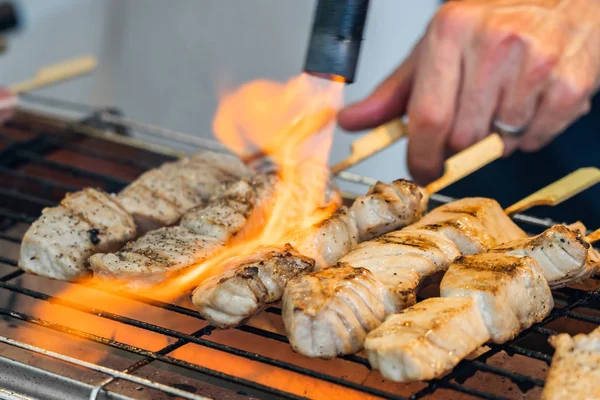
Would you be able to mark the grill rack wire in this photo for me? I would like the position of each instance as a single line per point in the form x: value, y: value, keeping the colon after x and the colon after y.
x: 20, y: 206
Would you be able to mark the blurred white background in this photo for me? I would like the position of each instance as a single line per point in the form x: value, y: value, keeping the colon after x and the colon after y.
x: 164, y: 62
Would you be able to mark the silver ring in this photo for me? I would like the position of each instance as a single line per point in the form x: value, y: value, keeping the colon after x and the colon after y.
x: 506, y: 129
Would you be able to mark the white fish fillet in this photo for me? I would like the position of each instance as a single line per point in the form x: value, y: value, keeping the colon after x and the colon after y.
x: 575, y: 369
x: 154, y: 257
x: 388, y: 207
x: 512, y: 291
x: 58, y: 244
x: 322, y: 324
x: 248, y: 285
x: 475, y: 224
x: 561, y: 252
x: 426, y: 340
x: 161, y: 196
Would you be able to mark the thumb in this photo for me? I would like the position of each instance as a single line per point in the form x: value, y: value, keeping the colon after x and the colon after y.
x: 387, y: 102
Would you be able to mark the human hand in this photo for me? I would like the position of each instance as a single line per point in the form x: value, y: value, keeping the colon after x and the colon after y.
x: 533, y: 64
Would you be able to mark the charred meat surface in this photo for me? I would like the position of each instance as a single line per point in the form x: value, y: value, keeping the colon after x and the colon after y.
x: 388, y: 207
x: 562, y: 253
x: 161, y: 196
x: 475, y: 224
x: 575, y: 369
x: 57, y: 245
x: 426, y: 340
x: 330, y: 312
x: 248, y: 285
x: 155, y: 256
x: 512, y: 292
x: 398, y: 261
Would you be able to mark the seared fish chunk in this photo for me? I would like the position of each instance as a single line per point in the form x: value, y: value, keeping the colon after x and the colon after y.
x: 512, y: 291
x: 575, y: 369
x: 330, y: 312
x: 426, y: 340
x: 227, y: 214
x: 328, y: 240
x: 57, y: 245
x: 226, y: 166
x: 248, y: 285
x: 561, y: 252
x: 154, y: 257
x: 160, y: 196
x: 475, y: 224
x: 386, y: 208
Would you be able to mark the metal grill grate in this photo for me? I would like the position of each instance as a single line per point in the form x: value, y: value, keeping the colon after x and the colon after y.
x: 39, y: 163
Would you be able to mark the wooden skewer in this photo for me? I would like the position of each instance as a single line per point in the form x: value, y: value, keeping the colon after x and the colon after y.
x: 55, y: 73
x: 559, y: 191
x: 372, y: 143
x: 468, y: 161
x: 593, y: 237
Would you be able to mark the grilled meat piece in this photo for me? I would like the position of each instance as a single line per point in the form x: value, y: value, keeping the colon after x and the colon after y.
x: 561, y: 252
x: 58, y: 244
x: 328, y: 240
x: 160, y: 196
x: 248, y: 285
x: 575, y: 369
x: 321, y: 324
x: 155, y: 256
x: 398, y: 261
x: 475, y: 224
x: 227, y: 214
x: 512, y: 291
x: 426, y: 340
x: 386, y: 208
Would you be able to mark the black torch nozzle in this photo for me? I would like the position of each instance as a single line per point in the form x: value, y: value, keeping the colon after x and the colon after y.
x: 335, y: 40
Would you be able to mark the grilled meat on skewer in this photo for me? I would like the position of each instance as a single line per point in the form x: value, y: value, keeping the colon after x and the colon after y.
x: 513, y: 292
x: 58, y: 244
x: 399, y: 261
x: 161, y: 196
x: 325, y: 325
x: 248, y: 285
x: 327, y: 241
x: 563, y: 254
x: 155, y: 256
x: 386, y: 208
x: 575, y: 369
x: 427, y: 339
x: 475, y: 224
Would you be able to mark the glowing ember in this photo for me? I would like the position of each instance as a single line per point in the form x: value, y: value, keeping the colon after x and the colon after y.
x: 291, y: 123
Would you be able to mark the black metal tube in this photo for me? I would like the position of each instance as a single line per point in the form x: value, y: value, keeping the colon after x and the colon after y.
x: 336, y: 37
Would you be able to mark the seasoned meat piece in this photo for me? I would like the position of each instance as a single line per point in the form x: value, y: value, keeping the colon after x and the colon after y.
x: 512, y: 291
x: 227, y: 214
x: 160, y: 196
x: 328, y: 240
x: 575, y: 369
x: 426, y: 340
x: 58, y: 244
x: 248, y: 284
x: 155, y: 256
x: 475, y: 224
x: 386, y: 208
x: 561, y: 252
x: 330, y: 312
x: 398, y: 261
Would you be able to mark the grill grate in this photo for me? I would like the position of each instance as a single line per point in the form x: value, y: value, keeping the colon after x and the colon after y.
x: 39, y: 164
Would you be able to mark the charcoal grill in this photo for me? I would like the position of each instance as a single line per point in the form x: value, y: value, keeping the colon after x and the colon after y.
x: 43, y: 156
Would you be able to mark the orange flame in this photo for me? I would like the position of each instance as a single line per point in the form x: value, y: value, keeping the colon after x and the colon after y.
x: 293, y: 124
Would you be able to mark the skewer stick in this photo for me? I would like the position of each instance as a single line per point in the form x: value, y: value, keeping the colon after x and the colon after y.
x: 372, y: 143
x: 558, y: 191
x: 593, y: 237
x: 55, y: 73
x: 468, y: 161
